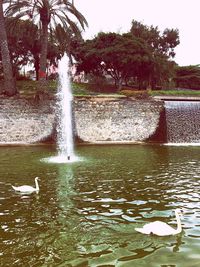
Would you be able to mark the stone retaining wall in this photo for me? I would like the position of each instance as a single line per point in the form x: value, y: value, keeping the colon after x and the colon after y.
x: 117, y: 120
x: 24, y: 121
x: 95, y: 119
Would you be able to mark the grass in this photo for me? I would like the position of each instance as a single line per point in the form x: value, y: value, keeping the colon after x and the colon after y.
x: 176, y: 92
x: 29, y: 88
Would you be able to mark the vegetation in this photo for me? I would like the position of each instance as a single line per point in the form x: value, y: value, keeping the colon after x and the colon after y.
x: 49, y: 14
x: 107, y: 55
x: 188, y: 77
x: 187, y: 92
x: 28, y: 89
x: 141, y: 57
x: 9, y: 85
x: 40, y: 32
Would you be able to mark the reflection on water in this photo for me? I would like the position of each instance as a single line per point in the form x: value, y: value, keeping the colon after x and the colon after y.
x: 86, y: 212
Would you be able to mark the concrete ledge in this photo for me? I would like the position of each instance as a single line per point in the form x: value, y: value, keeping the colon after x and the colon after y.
x: 115, y: 143
x: 177, y: 98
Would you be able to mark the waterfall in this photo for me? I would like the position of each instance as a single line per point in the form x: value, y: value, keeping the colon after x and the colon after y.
x: 183, y: 121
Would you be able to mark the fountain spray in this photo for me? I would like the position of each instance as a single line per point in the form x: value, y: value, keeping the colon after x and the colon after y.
x: 64, y: 102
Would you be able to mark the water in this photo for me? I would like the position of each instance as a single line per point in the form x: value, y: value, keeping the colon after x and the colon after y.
x: 86, y: 212
x: 183, y: 121
x: 64, y: 112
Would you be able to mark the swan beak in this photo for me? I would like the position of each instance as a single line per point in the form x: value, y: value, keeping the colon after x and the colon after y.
x: 182, y: 212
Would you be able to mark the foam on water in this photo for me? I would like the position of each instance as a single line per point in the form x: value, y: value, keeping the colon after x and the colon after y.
x: 62, y: 159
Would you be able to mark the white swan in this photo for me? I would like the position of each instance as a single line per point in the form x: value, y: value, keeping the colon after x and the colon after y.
x: 160, y: 228
x: 27, y: 188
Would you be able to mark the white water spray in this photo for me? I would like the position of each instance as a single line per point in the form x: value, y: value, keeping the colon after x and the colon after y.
x: 64, y: 102
x: 65, y: 143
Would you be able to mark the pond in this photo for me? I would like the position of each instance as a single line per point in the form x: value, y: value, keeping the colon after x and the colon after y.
x: 86, y: 212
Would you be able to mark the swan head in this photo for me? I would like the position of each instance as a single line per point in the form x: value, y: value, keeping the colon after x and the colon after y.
x: 37, y: 178
x: 179, y: 211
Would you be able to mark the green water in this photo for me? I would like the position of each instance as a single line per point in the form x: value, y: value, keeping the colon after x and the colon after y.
x: 86, y: 212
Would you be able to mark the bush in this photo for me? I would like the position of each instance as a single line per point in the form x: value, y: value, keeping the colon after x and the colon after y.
x: 139, y: 94
x: 100, y: 85
x: 20, y: 77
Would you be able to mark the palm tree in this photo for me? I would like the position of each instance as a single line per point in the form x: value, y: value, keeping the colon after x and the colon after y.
x: 64, y: 39
x: 9, y: 84
x: 47, y: 13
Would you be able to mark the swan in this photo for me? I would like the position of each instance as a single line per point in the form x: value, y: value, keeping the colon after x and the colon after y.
x: 160, y: 228
x: 27, y: 188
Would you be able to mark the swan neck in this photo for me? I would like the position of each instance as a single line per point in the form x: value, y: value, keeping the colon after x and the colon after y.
x: 179, y: 226
x: 36, y: 185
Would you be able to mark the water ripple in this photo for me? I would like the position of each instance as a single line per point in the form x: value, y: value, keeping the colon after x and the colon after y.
x: 86, y: 212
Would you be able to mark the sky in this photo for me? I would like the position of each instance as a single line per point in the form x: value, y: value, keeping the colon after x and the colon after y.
x: 117, y: 15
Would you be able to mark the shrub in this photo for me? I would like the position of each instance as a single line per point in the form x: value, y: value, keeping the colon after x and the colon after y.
x: 138, y: 94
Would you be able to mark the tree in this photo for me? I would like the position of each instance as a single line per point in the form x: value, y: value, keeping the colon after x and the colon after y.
x: 24, y: 44
x: 9, y: 84
x: 161, y: 47
x: 65, y: 39
x: 22, y: 41
x: 163, y: 43
x: 119, y: 56
x: 188, y: 77
x: 48, y: 13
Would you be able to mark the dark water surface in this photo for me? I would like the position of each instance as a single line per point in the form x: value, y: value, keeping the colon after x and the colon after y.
x: 86, y: 212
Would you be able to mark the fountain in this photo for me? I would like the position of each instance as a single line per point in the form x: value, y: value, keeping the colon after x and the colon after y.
x: 64, y: 96
x: 183, y: 122
x: 65, y: 142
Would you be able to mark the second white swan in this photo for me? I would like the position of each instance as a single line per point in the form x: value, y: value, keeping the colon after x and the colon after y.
x: 27, y: 188
x: 161, y: 228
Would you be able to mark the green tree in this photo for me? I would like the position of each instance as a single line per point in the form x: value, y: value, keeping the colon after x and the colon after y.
x: 48, y: 13
x: 23, y: 37
x: 24, y: 43
x: 188, y: 77
x: 163, y: 43
x: 161, y: 46
x: 119, y: 56
x: 66, y: 39
x: 9, y: 84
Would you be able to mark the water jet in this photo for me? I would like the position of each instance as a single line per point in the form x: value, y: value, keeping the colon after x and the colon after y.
x: 65, y: 142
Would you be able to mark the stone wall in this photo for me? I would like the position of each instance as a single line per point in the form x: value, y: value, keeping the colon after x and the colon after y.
x: 25, y: 121
x: 95, y: 119
x: 116, y: 120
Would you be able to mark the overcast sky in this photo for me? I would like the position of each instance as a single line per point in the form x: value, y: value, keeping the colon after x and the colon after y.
x: 116, y: 16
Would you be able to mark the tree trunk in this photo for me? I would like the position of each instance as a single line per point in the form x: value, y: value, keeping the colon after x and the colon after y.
x: 43, y: 57
x: 119, y: 84
x: 9, y: 83
x: 37, y: 65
